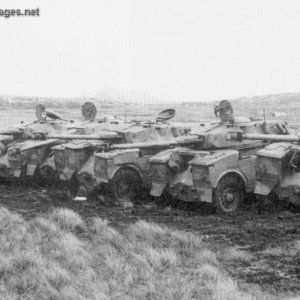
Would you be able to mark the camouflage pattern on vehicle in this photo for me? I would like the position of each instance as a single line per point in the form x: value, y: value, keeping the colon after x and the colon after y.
x: 278, y: 167
x: 79, y: 160
x: 204, y: 165
x: 21, y: 156
x: 26, y: 150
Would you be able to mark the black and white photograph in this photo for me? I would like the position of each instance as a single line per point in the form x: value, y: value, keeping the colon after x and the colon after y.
x: 150, y: 149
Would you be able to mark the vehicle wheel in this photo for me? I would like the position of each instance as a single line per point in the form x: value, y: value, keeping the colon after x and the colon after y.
x: 229, y: 194
x: 126, y: 185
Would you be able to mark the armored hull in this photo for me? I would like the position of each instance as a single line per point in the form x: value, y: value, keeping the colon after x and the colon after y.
x: 22, y: 156
x: 278, y: 171
x: 80, y: 160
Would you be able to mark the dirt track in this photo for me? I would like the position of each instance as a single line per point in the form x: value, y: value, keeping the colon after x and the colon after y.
x: 253, y: 230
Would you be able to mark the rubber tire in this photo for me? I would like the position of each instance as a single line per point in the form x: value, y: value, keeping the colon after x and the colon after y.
x: 130, y: 177
x: 233, y: 183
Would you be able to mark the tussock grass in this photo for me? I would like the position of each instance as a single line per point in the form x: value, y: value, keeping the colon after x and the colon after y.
x: 59, y: 256
x: 233, y: 254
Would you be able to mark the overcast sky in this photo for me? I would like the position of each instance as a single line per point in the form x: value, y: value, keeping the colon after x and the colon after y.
x: 166, y: 49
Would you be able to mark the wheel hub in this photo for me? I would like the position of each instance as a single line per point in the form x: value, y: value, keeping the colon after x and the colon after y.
x: 229, y: 196
x: 124, y: 188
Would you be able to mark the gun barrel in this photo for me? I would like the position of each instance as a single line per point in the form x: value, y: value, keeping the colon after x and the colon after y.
x: 271, y: 137
x: 11, y: 131
x: 29, y: 146
x: 186, y: 142
x: 102, y: 136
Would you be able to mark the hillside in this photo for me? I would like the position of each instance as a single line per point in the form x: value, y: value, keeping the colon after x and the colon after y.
x: 289, y: 103
x: 286, y: 106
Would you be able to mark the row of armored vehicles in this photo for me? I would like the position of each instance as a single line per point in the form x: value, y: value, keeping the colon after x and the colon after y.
x: 58, y: 149
x: 212, y: 162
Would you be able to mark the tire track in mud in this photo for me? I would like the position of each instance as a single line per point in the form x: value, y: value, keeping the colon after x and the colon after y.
x: 254, y: 231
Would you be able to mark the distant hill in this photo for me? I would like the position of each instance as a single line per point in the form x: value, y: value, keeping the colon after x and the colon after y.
x: 286, y: 106
x: 31, y: 102
x: 288, y: 103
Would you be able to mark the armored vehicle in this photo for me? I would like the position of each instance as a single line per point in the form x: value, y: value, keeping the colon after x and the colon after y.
x: 77, y: 161
x: 20, y: 154
x: 203, y: 165
x: 220, y: 172
x: 76, y: 148
x: 278, y: 167
x: 26, y: 151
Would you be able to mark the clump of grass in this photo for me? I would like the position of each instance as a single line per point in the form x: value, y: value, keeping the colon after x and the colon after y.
x: 46, y: 258
x: 66, y: 219
x: 235, y: 255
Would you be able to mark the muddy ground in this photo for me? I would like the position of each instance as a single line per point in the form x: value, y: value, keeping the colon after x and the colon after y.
x: 253, y: 230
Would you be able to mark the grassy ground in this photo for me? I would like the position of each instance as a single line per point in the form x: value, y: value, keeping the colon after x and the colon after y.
x: 258, y: 247
x: 60, y: 256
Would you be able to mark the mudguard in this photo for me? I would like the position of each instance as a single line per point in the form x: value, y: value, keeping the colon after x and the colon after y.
x: 269, y: 167
x: 107, y: 164
x: 161, y: 172
x: 208, y: 170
